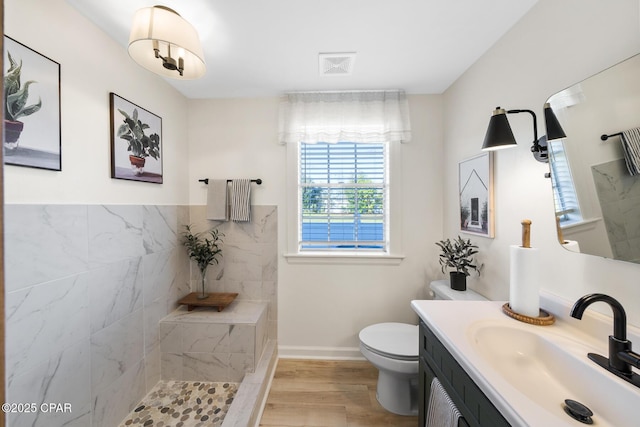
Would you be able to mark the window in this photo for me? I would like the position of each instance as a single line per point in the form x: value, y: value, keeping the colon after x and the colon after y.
x: 564, y: 192
x: 342, y: 201
x: 344, y: 181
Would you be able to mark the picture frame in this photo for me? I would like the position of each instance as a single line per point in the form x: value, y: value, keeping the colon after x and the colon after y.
x: 475, y: 190
x: 136, y: 142
x: 32, y: 116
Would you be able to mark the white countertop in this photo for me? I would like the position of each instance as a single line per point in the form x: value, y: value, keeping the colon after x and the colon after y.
x: 453, y: 323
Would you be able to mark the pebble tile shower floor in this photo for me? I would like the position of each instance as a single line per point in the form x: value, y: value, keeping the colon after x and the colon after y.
x: 183, y: 404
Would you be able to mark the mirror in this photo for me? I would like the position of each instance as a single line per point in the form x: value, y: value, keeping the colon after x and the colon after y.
x: 597, y: 199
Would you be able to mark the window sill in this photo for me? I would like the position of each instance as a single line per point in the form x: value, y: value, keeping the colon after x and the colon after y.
x: 583, y: 225
x: 343, y: 258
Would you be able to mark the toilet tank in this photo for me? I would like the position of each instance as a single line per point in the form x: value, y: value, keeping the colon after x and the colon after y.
x: 441, y: 290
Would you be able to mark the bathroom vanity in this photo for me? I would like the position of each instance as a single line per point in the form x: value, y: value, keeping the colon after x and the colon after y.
x: 436, y: 361
x: 500, y: 372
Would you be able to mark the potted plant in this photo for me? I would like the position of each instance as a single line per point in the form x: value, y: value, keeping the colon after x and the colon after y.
x: 203, y: 250
x: 140, y: 145
x: 15, y: 103
x: 458, y: 255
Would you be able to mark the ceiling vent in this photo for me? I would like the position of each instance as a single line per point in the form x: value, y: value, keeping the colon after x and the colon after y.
x: 336, y: 64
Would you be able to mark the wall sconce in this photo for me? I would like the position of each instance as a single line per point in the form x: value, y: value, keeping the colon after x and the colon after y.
x: 554, y: 130
x: 499, y: 134
x: 164, y: 43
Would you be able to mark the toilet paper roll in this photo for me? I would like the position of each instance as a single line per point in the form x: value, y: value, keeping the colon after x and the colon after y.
x: 524, y: 284
x: 571, y: 245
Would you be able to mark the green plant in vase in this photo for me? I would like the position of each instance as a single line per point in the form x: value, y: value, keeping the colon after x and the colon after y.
x: 141, y: 146
x: 16, y: 96
x: 458, y: 255
x: 204, y: 249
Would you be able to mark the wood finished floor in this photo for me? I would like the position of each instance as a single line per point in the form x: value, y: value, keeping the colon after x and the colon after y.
x: 323, y: 393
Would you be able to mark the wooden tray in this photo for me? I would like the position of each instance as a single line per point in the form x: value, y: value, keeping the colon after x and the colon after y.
x: 215, y: 299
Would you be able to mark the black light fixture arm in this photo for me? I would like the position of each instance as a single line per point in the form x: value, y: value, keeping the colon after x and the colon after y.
x: 539, y: 151
x: 535, y: 125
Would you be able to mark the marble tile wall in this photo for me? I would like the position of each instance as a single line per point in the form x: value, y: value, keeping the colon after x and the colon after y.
x: 249, y: 263
x: 619, y: 196
x: 86, y: 289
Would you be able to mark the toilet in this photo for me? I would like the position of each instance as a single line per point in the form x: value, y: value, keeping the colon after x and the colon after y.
x: 393, y: 349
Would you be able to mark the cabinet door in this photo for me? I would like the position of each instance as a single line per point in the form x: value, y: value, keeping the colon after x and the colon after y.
x: 435, y: 360
x: 426, y: 376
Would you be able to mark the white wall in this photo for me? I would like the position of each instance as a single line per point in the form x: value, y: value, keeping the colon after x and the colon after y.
x: 555, y: 45
x: 322, y: 308
x: 91, y: 66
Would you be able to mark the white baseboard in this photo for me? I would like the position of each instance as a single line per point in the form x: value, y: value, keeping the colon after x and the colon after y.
x: 325, y: 353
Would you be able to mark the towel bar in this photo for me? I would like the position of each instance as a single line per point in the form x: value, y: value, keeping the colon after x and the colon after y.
x: 605, y: 137
x: 206, y: 180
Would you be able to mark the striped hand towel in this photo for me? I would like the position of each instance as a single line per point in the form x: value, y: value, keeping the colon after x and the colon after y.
x: 240, y: 200
x: 441, y: 411
x: 631, y: 145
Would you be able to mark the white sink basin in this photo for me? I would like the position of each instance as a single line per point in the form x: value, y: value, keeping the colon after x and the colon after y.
x: 548, y: 368
x: 528, y: 371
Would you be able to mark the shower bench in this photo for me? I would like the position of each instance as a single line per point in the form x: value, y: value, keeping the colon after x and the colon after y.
x: 207, y: 345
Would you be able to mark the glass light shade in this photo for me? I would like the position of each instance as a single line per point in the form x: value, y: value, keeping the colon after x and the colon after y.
x: 499, y: 134
x: 175, y: 37
x: 554, y: 130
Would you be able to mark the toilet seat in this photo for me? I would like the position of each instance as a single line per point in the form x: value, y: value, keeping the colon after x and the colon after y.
x: 393, y: 340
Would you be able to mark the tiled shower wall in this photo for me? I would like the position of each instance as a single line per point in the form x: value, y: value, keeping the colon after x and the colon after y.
x: 86, y: 288
x: 249, y: 262
x: 619, y: 196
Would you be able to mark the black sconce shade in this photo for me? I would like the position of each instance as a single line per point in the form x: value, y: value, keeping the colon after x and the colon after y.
x: 554, y: 130
x: 499, y: 134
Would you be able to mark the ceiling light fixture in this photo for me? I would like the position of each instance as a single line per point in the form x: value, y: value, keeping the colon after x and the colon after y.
x: 499, y: 134
x: 163, y: 42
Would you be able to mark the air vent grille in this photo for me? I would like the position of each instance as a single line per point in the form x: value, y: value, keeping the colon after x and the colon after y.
x: 336, y: 64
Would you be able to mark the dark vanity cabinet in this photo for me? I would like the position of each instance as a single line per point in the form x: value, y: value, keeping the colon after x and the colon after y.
x: 436, y: 361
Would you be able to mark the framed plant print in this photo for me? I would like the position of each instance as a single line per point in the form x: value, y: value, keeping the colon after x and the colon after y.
x: 136, y: 142
x: 475, y: 185
x: 31, y: 135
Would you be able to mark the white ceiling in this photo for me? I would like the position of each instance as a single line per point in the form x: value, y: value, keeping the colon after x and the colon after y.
x: 256, y: 48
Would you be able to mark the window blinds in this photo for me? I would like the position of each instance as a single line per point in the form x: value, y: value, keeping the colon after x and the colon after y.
x: 564, y: 192
x: 342, y: 192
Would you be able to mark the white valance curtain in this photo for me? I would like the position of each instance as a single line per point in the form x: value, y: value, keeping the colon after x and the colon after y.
x: 357, y: 116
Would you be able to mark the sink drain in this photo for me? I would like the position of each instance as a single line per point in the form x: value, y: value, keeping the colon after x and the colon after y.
x: 578, y: 411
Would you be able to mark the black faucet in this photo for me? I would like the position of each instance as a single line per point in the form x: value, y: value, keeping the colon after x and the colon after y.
x: 621, y: 358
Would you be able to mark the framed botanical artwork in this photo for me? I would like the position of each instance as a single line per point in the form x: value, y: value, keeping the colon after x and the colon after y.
x: 136, y: 142
x: 475, y: 185
x: 31, y: 135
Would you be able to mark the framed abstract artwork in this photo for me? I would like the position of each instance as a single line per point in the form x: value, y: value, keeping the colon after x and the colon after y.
x: 32, y: 108
x: 136, y: 142
x: 475, y: 189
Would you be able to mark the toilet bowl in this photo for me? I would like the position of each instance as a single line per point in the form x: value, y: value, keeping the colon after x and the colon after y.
x: 393, y: 349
